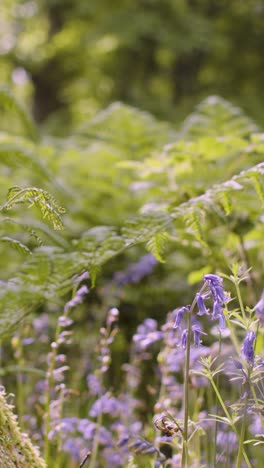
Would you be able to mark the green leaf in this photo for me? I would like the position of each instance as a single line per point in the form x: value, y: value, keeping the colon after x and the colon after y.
x: 15, y: 244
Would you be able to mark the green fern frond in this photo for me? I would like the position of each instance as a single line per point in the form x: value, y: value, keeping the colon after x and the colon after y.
x: 144, y: 227
x: 258, y: 185
x: 45, y: 202
x: 125, y: 126
x: 14, y: 155
x: 216, y: 116
x: 157, y: 244
x: 194, y: 219
x: 9, y: 102
x: 226, y: 202
x: 34, y: 229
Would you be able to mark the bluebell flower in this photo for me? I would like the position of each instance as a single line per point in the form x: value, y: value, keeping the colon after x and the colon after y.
x: 216, y: 286
x: 179, y: 317
x: 217, y: 309
x: 197, y: 332
x: 184, y: 337
x: 222, y: 321
x: 259, y: 308
x: 201, y: 305
x: 247, y: 347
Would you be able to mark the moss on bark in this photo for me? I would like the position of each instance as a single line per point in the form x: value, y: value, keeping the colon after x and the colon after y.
x: 16, y: 449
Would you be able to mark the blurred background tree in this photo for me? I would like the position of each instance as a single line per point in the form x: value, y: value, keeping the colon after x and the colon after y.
x: 72, y: 58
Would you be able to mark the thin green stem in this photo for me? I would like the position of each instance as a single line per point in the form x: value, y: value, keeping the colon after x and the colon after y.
x: 242, y: 437
x: 233, y: 335
x: 216, y: 406
x: 229, y: 418
x: 48, y: 386
x: 184, y: 461
x: 59, y: 440
x: 240, y: 302
x: 95, y: 447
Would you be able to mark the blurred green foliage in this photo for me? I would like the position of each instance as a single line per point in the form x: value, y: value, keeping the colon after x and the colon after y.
x: 193, y: 197
x: 71, y: 58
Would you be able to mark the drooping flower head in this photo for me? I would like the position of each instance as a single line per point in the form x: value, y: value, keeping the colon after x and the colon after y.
x: 184, y: 338
x: 197, y: 332
x: 259, y: 308
x: 248, y: 347
x: 179, y: 315
x: 201, y: 305
x: 216, y: 286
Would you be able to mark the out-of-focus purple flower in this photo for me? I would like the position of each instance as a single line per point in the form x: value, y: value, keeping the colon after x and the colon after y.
x: 179, y: 316
x: 222, y: 321
x: 94, y: 384
x: 197, y: 332
x: 69, y: 424
x: 77, y: 299
x: 175, y: 461
x: 147, y: 334
x: 112, y: 316
x: 82, y: 277
x: 41, y: 323
x: 107, y: 404
x: 133, y: 373
x: 27, y: 341
x: 256, y: 426
x: 86, y: 428
x: 105, y: 437
x: 61, y: 358
x: 247, y: 347
x: 201, y: 305
x: 73, y: 445
x: 259, y: 308
x: 113, y: 458
x: 184, y: 337
x: 136, y: 271
x: 227, y: 441
x: 58, y: 374
x: 216, y: 285
x: 65, y: 321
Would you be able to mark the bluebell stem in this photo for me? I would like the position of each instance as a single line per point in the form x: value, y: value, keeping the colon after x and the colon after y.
x: 247, y: 348
x: 201, y: 305
x: 53, y: 374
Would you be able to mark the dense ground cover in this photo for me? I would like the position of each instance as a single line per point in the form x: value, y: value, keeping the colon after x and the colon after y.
x: 132, y: 272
